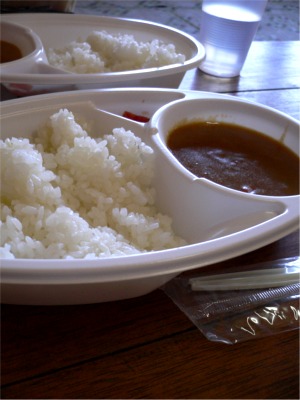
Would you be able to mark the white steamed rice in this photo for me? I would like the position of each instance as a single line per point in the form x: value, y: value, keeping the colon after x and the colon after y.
x: 104, y: 52
x: 67, y: 195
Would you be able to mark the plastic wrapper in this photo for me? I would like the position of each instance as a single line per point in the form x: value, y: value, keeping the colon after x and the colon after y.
x: 233, y: 316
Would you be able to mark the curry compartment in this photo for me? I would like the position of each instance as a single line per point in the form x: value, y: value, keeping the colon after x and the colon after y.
x: 236, y: 157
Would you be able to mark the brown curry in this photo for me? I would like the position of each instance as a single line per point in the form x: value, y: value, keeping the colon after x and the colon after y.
x: 236, y: 157
x: 9, y: 52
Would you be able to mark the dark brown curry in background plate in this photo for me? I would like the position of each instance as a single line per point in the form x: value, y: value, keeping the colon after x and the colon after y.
x: 9, y: 52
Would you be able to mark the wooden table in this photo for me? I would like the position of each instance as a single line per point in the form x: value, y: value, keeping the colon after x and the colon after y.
x: 146, y: 347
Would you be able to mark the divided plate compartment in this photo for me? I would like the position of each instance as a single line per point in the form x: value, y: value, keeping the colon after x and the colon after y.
x: 58, y: 30
x: 218, y: 223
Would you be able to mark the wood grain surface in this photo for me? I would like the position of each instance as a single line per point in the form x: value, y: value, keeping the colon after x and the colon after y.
x: 269, y: 66
x: 146, y: 347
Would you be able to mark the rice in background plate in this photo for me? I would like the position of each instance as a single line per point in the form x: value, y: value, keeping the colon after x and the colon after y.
x: 104, y: 52
x: 67, y: 195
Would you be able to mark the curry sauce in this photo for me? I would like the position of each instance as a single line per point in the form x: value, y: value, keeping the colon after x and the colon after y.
x: 236, y: 157
x: 9, y: 52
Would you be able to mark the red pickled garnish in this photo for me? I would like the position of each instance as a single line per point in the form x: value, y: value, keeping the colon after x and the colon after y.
x: 135, y: 117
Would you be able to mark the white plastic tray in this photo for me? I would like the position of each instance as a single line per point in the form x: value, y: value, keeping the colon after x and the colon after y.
x: 58, y: 30
x: 218, y: 223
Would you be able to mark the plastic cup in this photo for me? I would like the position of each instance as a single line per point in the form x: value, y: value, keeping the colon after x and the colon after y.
x: 227, y: 30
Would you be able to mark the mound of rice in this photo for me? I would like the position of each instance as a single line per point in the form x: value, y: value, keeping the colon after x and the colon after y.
x: 67, y: 195
x: 104, y: 52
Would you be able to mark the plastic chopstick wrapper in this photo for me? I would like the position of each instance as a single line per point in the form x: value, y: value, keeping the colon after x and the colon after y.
x: 237, y: 306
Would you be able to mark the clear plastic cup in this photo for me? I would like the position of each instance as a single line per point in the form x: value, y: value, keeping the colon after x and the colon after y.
x: 227, y: 30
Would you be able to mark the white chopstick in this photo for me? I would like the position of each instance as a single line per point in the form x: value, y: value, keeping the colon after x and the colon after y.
x: 255, y: 279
